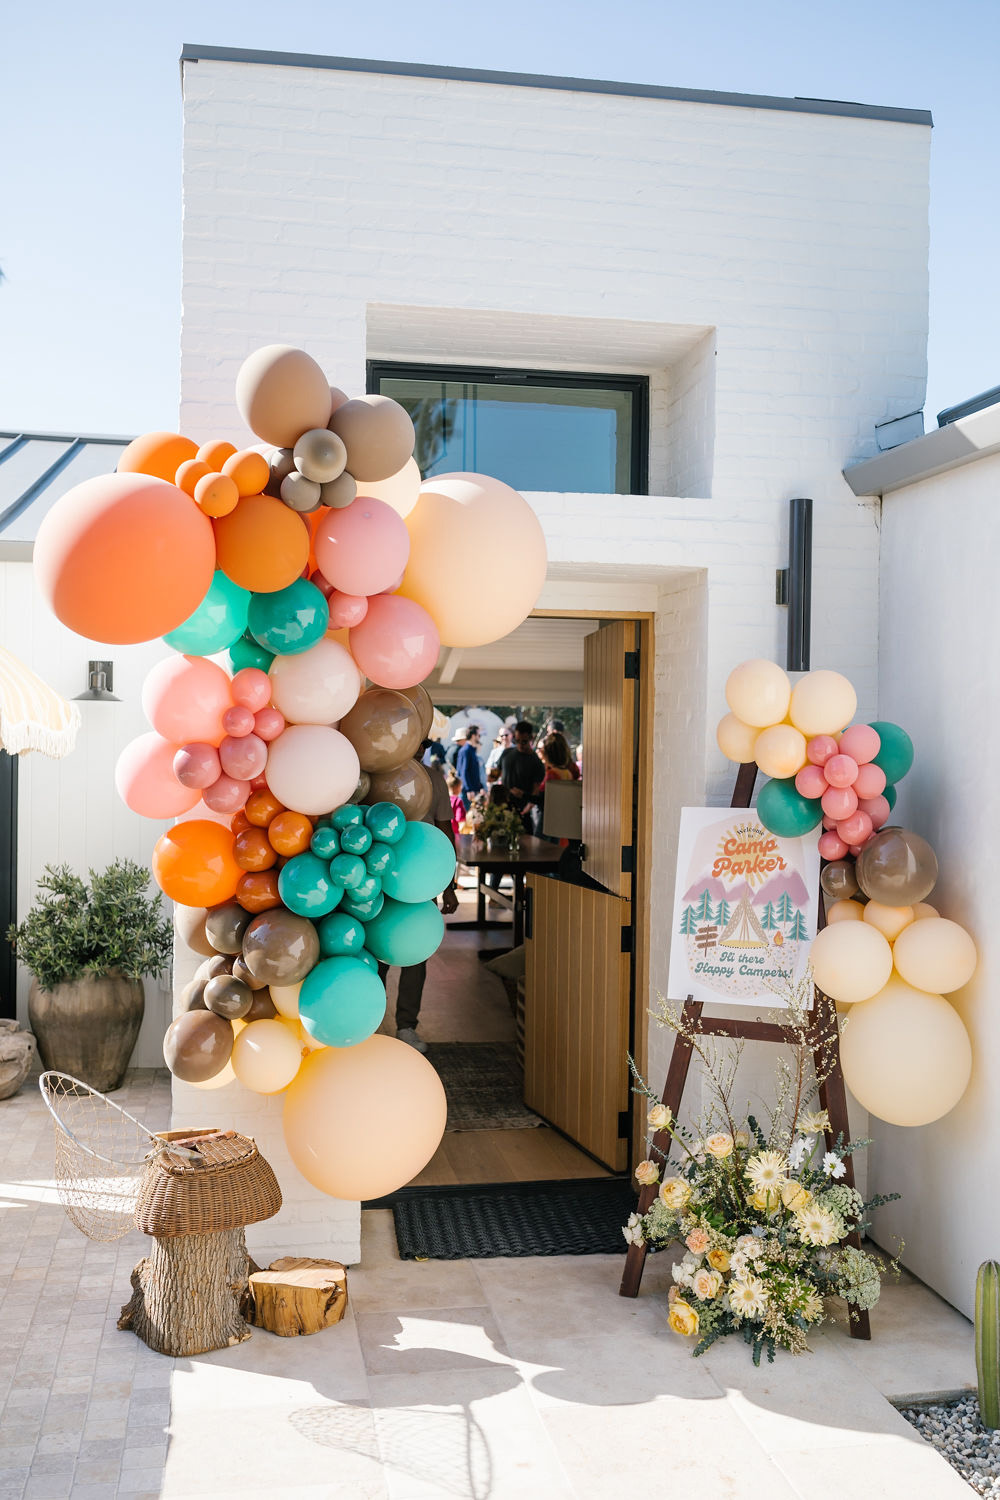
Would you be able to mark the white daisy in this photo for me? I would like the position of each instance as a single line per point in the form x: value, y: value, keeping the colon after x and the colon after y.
x: 832, y: 1165
x: 798, y: 1152
x: 767, y: 1169
x: 747, y: 1298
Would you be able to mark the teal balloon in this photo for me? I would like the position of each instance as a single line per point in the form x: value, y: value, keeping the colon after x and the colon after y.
x: 379, y: 859
x: 306, y: 887
x: 246, y: 652
x: 424, y: 864
x: 369, y: 959
x: 895, y: 756
x: 348, y: 870
x: 341, y: 1002
x: 785, y: 811
x: 325, y: 842
x: 347, y: 816
x: 363, y: 910
x: 890, y: 794
x: 405, y: 932
x: 218, y: 622
x: 340, y: 933
x: 366, y: 889
x: 355, y: 839
x: 289, y: 620
x: 386, y: 821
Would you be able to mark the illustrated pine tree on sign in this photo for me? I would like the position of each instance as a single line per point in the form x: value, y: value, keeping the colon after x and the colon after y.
x: 689, y: 922
x: 723, y: 912
x: 786, y: 910
x: 769, y: 921
x: 706, y: 938
x: 798, y: 932
x: 703, y: 911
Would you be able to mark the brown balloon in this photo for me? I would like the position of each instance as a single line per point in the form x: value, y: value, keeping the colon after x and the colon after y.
x: 258, y: 890
x: 240, y: 971
x: 377, y: 433
x: 262, y: 1007
x: 190, y: 924
x: 197, y: 1046
x: 408, y: 786
x: 281, y: 462
x: 839, y: 880
x: 339, y: 492
x: 421, y: 700
x: 384, y: 728
x: 225, y: 926
x: 228, y: 997
x: 280, y: 947
x: 897, y: 868
x: 193, y: 995
x: 361, y: 790
x: 252, y: 849
x: 220, y: 963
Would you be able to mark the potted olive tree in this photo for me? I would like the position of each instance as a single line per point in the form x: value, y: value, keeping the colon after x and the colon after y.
x: 87, y: 948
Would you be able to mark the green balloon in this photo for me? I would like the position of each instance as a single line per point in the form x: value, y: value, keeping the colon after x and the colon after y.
x: 289, y: 620
x: 367, y: 958
x: 404, y: 932
x: 363, y: 910
x: 367, y: 889
x: 341, y: 1002
x: 340, y: 933
x: 246, y: 652
x: 306, y: 887
x: 895, y: 756
x: 423, y: 866
x: 347, y: 816
x: 386, y: 822
x: 890, y: 794
x: 379, y: 859
x: 783, y: 810
x: 348, y: 870
x: 217, y: 623
x: 355, y: 839
x: 325, y: 842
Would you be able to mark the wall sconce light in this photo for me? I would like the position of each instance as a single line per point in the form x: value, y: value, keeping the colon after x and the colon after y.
x: 100, y: 681
x: 794, y: 585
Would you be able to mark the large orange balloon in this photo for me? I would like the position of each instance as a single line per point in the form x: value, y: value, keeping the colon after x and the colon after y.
x: 157, y: 453
x: 193, y: 864
x: 125, y: 557
x: 262, y: 545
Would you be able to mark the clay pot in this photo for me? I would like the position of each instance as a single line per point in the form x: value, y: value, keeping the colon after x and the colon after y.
x: 88, y: 1028
x: 17, y: 1052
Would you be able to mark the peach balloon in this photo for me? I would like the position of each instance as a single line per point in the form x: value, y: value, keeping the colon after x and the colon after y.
x: 362, y: 548
x: 400, y: 490
x: 922, y: 910
x: 266, y: 1056
x: 158, y: 453
x: 906, y: 1055
x: 889, y: 920
x: 185, y: 697
x: 342, y: 1114
x: 780, y: 751
x: 938, y: 956
x: 845, y: 911
x: 144, y: 777
x: 220, y: 1080
x: 249, y: 471
x: 458, y: 521
x: 124, y: 558
x: 216, y: 495
x: 736, y: 739
x: 758, y: 692
x: 397, y: 642
x: 822, y: 703
x: 311, y: 768
x: 215, y: 453
x: 286, y: 999
x: 318, y: 686
x: 851, y: 961
x: 193, y: 863
x: 281, y: 392
x: 262, y: 545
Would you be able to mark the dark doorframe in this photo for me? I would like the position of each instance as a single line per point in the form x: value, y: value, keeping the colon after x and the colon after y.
x: 8, y: 881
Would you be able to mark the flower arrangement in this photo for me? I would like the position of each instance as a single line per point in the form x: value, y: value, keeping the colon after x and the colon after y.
x: 763, y: 1214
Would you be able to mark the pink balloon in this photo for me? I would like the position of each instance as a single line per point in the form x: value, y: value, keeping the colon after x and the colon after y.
x: 243, y: 758
x: 184, y: 698
x: 323, y: 584
x: 347, y: 610
x: 819, y: 749
x: 810, y: 781
x: 258, y: 783
x: 237, y: 721
x: 268, y: 723
x: 393, y: 586
x: 197, y: 765
x: 877, y: 809
x: 840, y: 770
x: 397, y: 642
x: 869, y: 782
x: 855, y: 829
x: 856, y: 849
x: 862, y: 742
x: 832, y: 846
x: 251, y: 688
x: 839, y: 802
x: 362, y: 547
x: 226, y: 795
x: 146, y: 782
x: 829, y: 823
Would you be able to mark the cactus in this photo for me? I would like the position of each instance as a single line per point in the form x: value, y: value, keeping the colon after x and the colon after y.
x: 988, y: 1342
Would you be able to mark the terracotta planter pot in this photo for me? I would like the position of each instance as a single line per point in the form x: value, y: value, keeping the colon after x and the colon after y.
x: 88, y: 1028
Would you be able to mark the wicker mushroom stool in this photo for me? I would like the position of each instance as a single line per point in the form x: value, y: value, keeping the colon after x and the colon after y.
x: 199, y: 1192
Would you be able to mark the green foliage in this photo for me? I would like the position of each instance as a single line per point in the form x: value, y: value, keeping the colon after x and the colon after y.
x: 499, y: 820
x: 988, y: 1342
x: 109, y: 927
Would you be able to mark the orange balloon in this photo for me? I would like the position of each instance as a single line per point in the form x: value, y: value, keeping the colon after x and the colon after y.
x: 258, y: 891
x: 188, y: 474
x: 239, y: 822
x: 249, y: 470
x: 157, y: 453
x: 216, y: 494
x: 193, y: 863
x: 290, y: 832
x: 125, y: 557
x: 262, y: 545
x: 261, y: 807
x: 215, y: 453
x: 253, y: 850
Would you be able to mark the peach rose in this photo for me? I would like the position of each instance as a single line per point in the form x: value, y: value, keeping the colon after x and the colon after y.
x: 659, y: 1117
x: 646, y: 1173
x: 697, y: 1241
x: 706, y: 1284
x: 674, y: 1192
x: 720, y: 1145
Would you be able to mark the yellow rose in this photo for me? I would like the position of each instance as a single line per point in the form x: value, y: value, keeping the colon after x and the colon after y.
x: 718, y: 1260
x: 647, y: 1172
x: 794, y: 1195
x: 659, y: 1117
x: 674, y: 1192
x: 683, y: 1319
x: 720, y: 1145
x: 766, y: 1200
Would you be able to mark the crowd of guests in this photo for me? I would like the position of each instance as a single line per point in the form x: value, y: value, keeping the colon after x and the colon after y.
x: 515, y: 773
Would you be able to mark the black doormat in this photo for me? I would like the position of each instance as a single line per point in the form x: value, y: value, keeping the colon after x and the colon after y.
x: 580, y: 1217
x: 483, y: 1083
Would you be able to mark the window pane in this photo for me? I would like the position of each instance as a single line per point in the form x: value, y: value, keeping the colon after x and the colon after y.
x: 534, y: 437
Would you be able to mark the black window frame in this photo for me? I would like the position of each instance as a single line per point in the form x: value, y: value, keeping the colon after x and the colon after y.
x: 638, y: 385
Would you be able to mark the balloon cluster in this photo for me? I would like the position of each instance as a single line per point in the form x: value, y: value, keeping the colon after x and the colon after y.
x: 283, y: 577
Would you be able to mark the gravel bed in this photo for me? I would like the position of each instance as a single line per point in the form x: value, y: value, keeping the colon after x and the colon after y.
x: 959, y: 1436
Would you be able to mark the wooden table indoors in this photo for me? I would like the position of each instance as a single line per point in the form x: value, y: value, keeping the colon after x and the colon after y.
x: 532, y: 854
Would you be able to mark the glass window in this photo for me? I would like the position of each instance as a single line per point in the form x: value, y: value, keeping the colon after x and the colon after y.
x: 575, y: 433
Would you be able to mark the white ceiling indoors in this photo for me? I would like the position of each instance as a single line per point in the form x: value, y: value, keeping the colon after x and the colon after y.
x: 539, y: 662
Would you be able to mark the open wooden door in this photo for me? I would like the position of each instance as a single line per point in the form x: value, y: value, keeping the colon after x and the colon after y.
x: 610, y: 676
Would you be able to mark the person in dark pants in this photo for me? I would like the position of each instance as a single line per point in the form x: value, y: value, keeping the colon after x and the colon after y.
x: 521, y: 772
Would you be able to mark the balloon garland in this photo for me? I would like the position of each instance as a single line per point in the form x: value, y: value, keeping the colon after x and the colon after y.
x: 906, y: 1054
x: 283, y: 577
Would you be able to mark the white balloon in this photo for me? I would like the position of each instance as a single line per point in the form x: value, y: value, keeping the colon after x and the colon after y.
x: 400, y: 490
x: 311, y: 768
x: 318, y: 686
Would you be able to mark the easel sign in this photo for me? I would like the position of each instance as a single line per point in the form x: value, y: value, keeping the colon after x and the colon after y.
x: 745, y: 904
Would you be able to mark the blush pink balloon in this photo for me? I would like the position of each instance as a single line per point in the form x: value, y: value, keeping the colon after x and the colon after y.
x: 819, y: 749
x: 394, y: 586
x: 185, y: 697
x: 268, y: 723
x: 146, y: 782
x: 840, y: 770
x: 839, y: 802
x: 323, y: 584
x: 869, y: 782
x: 362, y: 547
x: 197, y: 765
x: 258, y: 783
x: 347, y: 610
x: 831, y: 845
x: 226, y: 795
x: 251, y: 688
x: 397, y: 643
x: 828, y: 822
x: 244, y: 757
x: 810, y: 782
x: 855, y: 829
x: 237, y: 721
x: 862, y: 742
x: 877, y: 809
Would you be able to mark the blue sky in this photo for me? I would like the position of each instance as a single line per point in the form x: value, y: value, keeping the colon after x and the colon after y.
x: 91, y: 115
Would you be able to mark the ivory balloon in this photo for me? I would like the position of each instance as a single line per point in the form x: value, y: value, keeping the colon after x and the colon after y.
x: 822, y: 703
x: 220, y: 1080
x: 400, y: 490
x: 890, y: 920
x: 311, y: 768
x: 281, y: 392
x: 342, y: 1113
x: 780, y: 751
x: 758, y: 692
x: 736, y: 739
x: 844, y: 911
x: 189, y: 922
x: 906, y: 1055
x: 938, y: 956
x: 923, y: 909
x: 266, y: 1057
x: 318, y: 686
x: 286, y: 999
x: 851, y: 961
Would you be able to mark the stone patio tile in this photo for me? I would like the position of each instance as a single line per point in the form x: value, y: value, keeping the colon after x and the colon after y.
x: 97, y: 1471
x: 385, y: 1282
x: 14, y: 1454
x: 275, y: 1453
x: 12, y: 1482
x: 598, y: 1372
x: 919, y: 1345
x: 422, y: 1341
x: 900, y: 1470
x: 148, y: 1457
x: 567, y: 1296
x: 270, y: 1371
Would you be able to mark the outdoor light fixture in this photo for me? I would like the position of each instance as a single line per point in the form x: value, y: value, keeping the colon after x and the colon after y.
x: 101, y: 679
x: 794, y: 584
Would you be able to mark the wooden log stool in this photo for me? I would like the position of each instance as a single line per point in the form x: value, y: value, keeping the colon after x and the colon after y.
x: 200, y: 1190
x: 296, y: 1295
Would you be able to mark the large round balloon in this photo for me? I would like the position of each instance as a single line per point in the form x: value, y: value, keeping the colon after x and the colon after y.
x: 342, y: 1002
x: 217, y: 623
x: 396, y: 643
x: 262, y: 545
x: 158, y: 453
x: 311, y: 768
x: 280, y: 947
x: 851, y: 961
x: 198, y: 1045
x: 193, y: 863
x: 384, y: 727
x: 422, y: 865
x: 288, y: 621
x: 780, y: 751
x: 906, y: 1055
x: 784, y: 811
x: 758, y: 692
x: 422, y: 702
x: 407, y: 786
x: 266, y: 1056
x: 342, y: 1118
x: 897, y: 867
x: 281, y: 392
x: 377, y: 433
x: 144, y: 777
x: 185, y: 697
x: 459, y: 521
x: 822, y: 703
x: 124, y: 558
x: 362, y: 548
x: 318, y: 686
x: 938, y: 956
x: 403, y: 933
x: 735, y: 739
x: 895, y: 753
x: 400, y: 490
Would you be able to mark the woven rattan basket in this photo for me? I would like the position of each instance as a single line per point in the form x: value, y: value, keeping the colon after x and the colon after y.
x: 221, y: 1182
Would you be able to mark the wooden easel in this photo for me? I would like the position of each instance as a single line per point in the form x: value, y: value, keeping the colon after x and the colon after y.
x: 832, y: 1092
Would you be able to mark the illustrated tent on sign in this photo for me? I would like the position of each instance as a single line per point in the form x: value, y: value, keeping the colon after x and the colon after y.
x: 741, y: 926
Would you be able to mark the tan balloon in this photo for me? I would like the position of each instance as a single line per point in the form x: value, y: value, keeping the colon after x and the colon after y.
x: 197, y: 1045
x: 190, y: 924
x: 342, y: 1114
x: 266, y: 1057
x: 890, y: 920
x: 906, y: 1055
x: 458, y: 522
x: 281, y: 392
x: 736, y: 739
x: 758, y: 692
x: 922, y: 910
x: 384, y: 728
x: 401, y: 490
x: 851, y: 961
x: 938, y: 956
x: 408, y: 786
x: 844, y: 911
x: 822, y: 703
x: 421, y: 700
x: 377, y: 433
x: 780, y: 751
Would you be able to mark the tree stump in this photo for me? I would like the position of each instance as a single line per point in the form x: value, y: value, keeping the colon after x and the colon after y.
x: 297, y: 1295
x: 186, y: 1294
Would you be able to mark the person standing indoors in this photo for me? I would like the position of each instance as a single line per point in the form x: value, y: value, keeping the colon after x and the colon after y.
x: 500, y: 744
x: 521, y: 772
x: 468, y: 766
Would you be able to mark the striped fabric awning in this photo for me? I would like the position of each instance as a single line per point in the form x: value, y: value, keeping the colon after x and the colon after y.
x: 32, y: 716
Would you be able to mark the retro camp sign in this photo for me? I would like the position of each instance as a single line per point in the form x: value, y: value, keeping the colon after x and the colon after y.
x: 744, y: 908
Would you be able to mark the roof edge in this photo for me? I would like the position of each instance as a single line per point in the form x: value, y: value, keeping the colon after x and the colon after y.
x: 193, y: 52
x: 961, y: 442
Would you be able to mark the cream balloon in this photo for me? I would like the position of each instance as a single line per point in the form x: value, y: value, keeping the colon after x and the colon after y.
x: 822, y: 703
x: 305, y: 1040
x: 840, y: 911
x: 922, y: 910
x: 889, y: 920
x: 459, y: 521
x: 851, y: 961
x: 906, y: 1055
x: 311, y: 768
x: 318, y: 686
x: 286, y: 999
x: 780, y: 751
x: 758, y: 692
x: 342, y: 1117
x: 400, y: 490
x: 220, y: 1080
x: 736, y: 739
x: 266, y: 1056
x: 938, y: 956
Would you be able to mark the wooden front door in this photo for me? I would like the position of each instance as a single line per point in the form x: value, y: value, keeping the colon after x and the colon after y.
x: 610, y: 673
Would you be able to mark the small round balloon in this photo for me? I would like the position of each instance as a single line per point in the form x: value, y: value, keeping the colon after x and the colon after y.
x: 305, y: 886
x: 423, y: 864
x: 785, y: 812
x: 290, y: 620
x: 895, y: 754
x: 193, y: 863
x: 225, y: 926
x: 403, y: 933
x: 384, y: 727
x: 312, y: 768
x: 266, y: 1056
x: 839, y: 880
x: 197, y: 1046
x: 217, y: 623
x: 280, y: 947
x: 822, y: 703
x: 780, y: 751
x: 758, y: 693
x: 407, y: 786
x: 316, y: 686
x: 851, y: 961
x: 897, y: 867
x: 145, y: 779
x: 340, y: 934
x: 341, y: 1002
x: 939, y: 956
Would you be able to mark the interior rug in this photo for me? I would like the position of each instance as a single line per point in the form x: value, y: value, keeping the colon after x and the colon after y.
x: 484, y: 1084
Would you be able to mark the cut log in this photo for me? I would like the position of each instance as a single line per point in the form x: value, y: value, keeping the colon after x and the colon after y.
x: 187, y: 1293
x: 297, y: 1295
